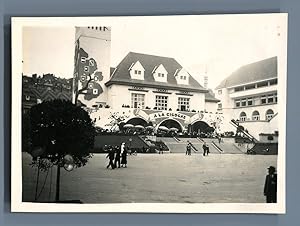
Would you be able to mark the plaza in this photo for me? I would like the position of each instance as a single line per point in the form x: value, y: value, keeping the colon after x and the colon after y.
x: 154, y: 178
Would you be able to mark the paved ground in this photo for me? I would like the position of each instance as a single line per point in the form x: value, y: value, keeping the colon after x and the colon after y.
x: 158, y: 178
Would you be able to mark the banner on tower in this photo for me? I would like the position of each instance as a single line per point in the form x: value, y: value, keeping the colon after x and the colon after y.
x: 91, y: 65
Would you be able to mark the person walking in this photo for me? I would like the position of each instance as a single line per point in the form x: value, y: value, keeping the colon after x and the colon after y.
x: 124, y: 157
x: 270, y: 188
x: 189, y: 149
x: 118, y: 157
x: 111, y: 156
x: 204, y: 147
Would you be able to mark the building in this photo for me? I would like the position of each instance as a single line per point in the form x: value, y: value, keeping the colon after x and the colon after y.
x: 248, y: 97
x: 145, y: 89
x: 142, y: 90
x: 37, y: 89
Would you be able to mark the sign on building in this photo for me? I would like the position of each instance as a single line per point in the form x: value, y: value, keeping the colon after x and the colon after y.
x: 91, y: 65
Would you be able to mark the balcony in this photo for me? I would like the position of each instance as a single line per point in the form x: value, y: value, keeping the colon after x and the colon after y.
x: 254, y: 92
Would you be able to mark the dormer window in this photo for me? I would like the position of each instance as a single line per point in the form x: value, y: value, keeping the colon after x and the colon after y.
x: 182, y: 76
x: 137, y: 71
x: 160, y: 73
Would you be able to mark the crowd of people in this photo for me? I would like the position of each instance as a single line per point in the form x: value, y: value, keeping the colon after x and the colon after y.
x: 117, y: 156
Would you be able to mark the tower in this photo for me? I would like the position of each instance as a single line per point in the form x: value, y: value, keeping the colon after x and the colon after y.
x: 91, y: 65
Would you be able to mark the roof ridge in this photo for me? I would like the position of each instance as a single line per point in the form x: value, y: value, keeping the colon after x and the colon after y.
x: 152, y: 55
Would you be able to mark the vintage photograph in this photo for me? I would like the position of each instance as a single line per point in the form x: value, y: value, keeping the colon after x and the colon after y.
x: 152, y: 113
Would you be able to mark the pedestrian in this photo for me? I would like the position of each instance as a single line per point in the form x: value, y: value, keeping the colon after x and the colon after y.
x: 118, y: 157
x: 124, y: 158
x: 160, y: 149
x: 111, y: 156
x: 204, y: 147
x: 270, y: 189
x: 189, y: 149
x: 219, y: 139
x: 207, y: 149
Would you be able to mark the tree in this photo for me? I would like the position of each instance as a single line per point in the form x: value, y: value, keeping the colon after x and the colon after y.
x: 60, y: 128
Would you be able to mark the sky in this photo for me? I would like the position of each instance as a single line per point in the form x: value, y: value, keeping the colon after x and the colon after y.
x: 212, y: 45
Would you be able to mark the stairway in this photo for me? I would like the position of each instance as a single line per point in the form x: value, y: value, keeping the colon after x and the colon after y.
x: 248, y: 135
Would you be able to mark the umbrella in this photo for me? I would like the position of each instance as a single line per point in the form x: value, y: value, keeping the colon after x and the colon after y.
x: 139, y: 127
x: 174, y: 129
x: 149, y: 127
x: 163, y: 128
x: 128, y: 126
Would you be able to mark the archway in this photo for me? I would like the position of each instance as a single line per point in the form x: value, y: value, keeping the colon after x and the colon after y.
x: 171, y: 123
x: 137, y: 121
x: 199, y: 127
x: 255, y: 116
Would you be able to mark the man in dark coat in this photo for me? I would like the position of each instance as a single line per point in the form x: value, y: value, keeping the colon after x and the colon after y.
x: 270, y: 189
x: 118, y: 157
x: 111, y: 156
x: 188, y: 149
x: 204, y: 146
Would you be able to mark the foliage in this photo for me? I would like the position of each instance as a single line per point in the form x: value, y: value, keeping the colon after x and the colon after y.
x: 25, y: 132
x: 59, y: 128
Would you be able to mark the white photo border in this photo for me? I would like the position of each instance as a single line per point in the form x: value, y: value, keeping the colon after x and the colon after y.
x: 16, y: 132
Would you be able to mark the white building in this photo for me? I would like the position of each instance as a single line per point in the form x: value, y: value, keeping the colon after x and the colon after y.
x: 142, y: 89
x: 249, y: 96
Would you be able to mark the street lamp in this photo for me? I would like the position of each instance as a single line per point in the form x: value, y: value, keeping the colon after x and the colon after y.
x: 68, y: 164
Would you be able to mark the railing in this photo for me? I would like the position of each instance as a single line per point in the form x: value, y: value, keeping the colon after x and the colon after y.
x: 236, y: 125
x: 217, y: 147
x: 177, y: 139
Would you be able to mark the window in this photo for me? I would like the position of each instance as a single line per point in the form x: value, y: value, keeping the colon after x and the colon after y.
x: 137, y: 100
x: 237, y: 89
x: 262, y: 84
x: 82, y: 60
x: 250, y: 86
x: 161, y: 75
x: 161, y: 102
x: 250, y: 101
x: 263, y: 99
x: 255, y: 116
x: 183, y: 104
x: 244, y: 102
x: 137, y: 72
x: 269, y: 114
x: 219, y: 91
x: 273, y: 82
x: 243, y: 116
x: 270, y: 99
x: 237, y: 103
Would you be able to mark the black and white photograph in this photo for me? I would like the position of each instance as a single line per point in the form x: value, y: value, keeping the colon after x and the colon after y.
x: 158, y: 114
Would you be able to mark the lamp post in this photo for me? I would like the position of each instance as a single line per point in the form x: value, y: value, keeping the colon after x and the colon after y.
x: 68, y: 163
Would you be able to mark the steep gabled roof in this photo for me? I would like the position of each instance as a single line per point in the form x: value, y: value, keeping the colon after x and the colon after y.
x: 251, y: 73
x: 122, y: 75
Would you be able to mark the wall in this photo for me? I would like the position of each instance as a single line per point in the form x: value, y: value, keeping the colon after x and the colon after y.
x: 119, y: 95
